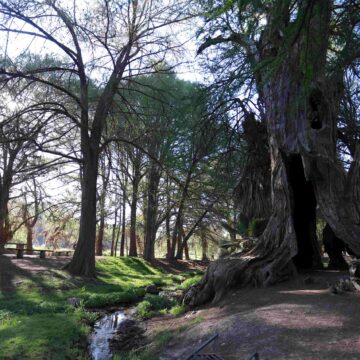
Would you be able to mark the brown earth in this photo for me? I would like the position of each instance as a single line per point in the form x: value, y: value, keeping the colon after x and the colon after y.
x: 11, y: 268
x: 293, y: 320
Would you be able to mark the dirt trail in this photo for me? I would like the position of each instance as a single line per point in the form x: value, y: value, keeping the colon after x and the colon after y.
x: 292, y: 320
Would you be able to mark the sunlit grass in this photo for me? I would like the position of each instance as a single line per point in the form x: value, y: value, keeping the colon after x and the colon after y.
x: 36, y: 322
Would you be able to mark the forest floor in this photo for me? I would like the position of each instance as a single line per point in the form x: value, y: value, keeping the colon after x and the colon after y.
x: 37, y: 320
x: 292, y: 320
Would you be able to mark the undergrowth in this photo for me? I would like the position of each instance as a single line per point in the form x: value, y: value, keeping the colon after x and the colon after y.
x: 36, y: 321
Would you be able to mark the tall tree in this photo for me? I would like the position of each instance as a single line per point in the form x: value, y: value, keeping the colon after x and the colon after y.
x: 108, y: 35
x: 297, y: 53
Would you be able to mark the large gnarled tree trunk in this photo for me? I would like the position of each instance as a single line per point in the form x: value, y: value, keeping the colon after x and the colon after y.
x: 301, y: 103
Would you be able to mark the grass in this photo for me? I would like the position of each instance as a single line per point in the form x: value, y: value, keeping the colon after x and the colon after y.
x: 195, y: 279
x: 177, y: 310
x: 36, y: 322
x: 160, y: 340
x: 153, y: 305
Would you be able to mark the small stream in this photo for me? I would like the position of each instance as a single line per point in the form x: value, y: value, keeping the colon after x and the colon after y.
x: 104, y: 329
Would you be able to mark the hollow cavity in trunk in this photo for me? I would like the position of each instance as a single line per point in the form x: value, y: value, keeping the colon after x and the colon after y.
x: 304, y: 215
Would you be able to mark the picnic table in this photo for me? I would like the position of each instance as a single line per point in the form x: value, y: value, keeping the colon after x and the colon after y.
x: 21, y: 248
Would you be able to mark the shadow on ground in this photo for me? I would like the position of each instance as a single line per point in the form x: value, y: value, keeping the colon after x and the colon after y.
x: 292, y: 320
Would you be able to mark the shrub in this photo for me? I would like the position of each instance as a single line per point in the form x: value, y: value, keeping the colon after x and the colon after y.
x: 102, y: 300
x: 151, y: 305
x: 143, y: 310
x: 177, y: 310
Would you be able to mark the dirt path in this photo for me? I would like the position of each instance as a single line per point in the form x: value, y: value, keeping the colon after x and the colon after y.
x: 290, y: 321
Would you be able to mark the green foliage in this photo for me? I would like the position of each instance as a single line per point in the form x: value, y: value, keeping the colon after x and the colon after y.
x: 143, y: 310
x: 252, y: 227
x: 177, y: 310
x: 152, y: 305
x: 113, y: 298
x: 163, y: 338
x: 190, y: 282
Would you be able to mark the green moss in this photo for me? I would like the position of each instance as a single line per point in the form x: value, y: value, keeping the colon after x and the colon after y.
x: 190, y: 282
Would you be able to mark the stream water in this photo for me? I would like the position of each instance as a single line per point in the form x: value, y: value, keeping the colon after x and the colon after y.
x: 104, y: 329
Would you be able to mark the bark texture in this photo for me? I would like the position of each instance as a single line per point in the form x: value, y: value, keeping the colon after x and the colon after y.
x: 151, y: 212
x: 301, y: 115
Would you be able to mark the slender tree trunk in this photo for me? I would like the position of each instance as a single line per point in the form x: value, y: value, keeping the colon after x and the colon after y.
x: 151, y: 212
x: 113, y: 235
x: 185, y: 238
x: 4, y: 227
x: 167, y: 221
x: 133, y: 208
x: 204, y: 245
x: 177, y: 226
x: 100, y: 236
x: 123, y: 228
x: 117, y: 239
x: 186, y: 251
x: 29, y: 239
x: 118, y: 230
x: 168, y: 237
x: 179, y: 241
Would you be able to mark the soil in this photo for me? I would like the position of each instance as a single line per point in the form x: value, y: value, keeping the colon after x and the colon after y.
x: 11, y: 268
x: 179, y: 266
x: 299, y: 319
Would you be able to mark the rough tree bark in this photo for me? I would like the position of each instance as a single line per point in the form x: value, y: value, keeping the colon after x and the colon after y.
x: 83, y: 261
x: 334, y: 247
x: 114, y: 237
x: 301, y: 115
x: 123, y: 227
x: 100, y: 236
x: 30, y: 221
x: 151, y: 212
x: 176, y: 236
x: 133, y: 208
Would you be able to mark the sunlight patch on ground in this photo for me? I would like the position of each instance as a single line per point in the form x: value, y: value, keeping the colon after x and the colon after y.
x: 294, y: 316
x: 305, y: 292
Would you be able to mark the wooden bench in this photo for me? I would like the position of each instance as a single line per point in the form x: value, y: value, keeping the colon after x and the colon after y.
x: 22, y: 248
x: 42, y: 252
x: 63, y: 252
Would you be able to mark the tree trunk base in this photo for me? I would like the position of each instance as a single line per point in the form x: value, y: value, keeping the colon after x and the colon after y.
x: 226, y: 274
x: 80, y: 266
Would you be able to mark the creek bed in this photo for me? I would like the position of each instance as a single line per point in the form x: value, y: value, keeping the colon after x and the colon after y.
x: 104, y: 329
